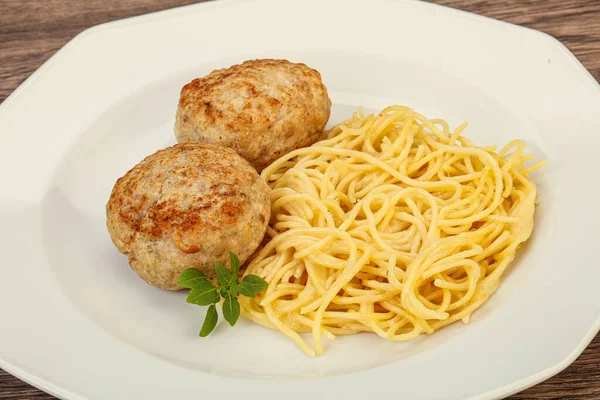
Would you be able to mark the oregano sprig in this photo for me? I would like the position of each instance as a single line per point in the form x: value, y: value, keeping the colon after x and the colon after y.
x: 204, y: 293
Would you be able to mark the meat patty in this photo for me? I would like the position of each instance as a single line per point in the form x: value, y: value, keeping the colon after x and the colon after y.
x: 185, y: 207
x: 262, y: 109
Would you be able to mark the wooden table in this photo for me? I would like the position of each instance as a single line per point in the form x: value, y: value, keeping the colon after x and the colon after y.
x: 31, y: 31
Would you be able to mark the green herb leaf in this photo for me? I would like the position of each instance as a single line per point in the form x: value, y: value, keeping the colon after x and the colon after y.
x: 234, y: 264
x: 252, y: 284
x: 225, y: 291
x: 245, y: 290
x: 231, y: 309
x: 210, y: 321
x: 203, y: 294
x: 190, y: 277
x: 224, y: 276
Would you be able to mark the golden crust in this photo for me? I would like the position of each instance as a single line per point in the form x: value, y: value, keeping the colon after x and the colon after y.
x: 262, y: 109
x: 185, y: 207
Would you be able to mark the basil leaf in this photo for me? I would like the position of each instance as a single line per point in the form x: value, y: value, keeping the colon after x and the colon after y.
x: 231, y: 309
x: 234, y: 264
x: 210, y: 321
x: 203, y: 294
x: 190, y: 278
x: 245, y: 289
x: 223, y: 274
x: 225, y: 291
x: 252, y: 284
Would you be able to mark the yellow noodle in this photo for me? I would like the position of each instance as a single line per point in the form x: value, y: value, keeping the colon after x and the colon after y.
x: 392, y: 224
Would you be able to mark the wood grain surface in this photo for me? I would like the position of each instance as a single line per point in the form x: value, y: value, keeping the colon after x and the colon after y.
x: 31, y: 31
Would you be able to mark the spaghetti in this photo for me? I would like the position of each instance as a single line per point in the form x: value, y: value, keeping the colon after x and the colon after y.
x: 392, y: 224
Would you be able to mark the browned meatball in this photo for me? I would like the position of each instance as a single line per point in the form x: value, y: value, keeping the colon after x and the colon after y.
x: 262, y: 109
x: 185, y: 207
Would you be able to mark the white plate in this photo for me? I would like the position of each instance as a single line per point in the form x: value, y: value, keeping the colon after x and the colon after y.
x: 78, y: 323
